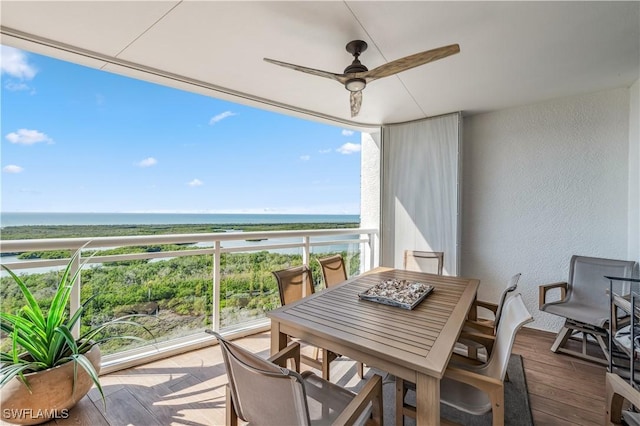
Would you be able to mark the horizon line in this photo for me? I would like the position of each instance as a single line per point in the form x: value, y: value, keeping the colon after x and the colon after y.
x: 188, y: 212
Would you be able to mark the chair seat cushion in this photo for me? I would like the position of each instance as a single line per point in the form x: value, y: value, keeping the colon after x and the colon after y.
x: 580, y: 312
x: 631, y: 418
x: 334, y: 397
x: 460, y: 395
x: 623, y: 338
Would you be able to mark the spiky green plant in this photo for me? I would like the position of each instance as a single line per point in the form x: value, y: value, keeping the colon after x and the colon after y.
x: 42, y: 339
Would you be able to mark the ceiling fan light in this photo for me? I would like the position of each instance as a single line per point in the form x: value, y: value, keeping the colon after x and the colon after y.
x: 355, y: 84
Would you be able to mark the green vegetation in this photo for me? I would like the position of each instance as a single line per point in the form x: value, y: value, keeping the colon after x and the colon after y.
x: 92, y: 231
x: 39, y: 334
x: 177, y: 292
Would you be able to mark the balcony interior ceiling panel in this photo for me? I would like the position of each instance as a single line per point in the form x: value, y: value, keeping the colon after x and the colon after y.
x: 512, y: 53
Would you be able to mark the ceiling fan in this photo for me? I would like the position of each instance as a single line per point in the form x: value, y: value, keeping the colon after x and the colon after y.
x: 356, y: 76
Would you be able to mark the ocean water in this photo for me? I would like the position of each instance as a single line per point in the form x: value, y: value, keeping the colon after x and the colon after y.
x: 23, y: 219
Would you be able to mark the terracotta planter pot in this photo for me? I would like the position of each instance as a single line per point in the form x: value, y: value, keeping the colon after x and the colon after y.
x: 51, y: 393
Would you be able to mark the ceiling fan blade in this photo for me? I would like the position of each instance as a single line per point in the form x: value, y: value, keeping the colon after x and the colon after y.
x: 355, y: 99
x: 411, y: 61
x: 338, y: 77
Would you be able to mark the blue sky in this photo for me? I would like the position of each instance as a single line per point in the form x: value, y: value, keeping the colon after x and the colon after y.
x: 76, y: 139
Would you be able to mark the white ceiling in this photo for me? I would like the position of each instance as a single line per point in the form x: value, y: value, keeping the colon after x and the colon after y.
x: 512, y: 53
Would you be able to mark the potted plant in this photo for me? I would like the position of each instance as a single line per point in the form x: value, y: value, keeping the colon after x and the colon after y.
x: 46, y: 370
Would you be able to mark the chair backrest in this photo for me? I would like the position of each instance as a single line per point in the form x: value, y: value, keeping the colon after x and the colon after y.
x: 294, y: 283
x: 424, y: 261
x: 333, y: 270
x: 514, y: 316
x: 262, y: 392
x: 512, y: 285
x: 587, y: 283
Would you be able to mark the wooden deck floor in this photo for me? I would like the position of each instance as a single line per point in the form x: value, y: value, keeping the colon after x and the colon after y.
x: 189, y: 389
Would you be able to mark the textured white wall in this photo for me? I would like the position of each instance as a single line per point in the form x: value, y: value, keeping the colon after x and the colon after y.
x: 541, y: 183
x: 370, y: 184
x: 634, y: 171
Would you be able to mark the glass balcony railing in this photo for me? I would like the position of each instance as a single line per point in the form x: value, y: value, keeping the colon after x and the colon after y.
x: 176, y: 285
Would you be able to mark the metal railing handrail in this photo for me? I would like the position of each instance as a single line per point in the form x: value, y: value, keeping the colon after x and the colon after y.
x: 10, y: 246
x: 366, y: 238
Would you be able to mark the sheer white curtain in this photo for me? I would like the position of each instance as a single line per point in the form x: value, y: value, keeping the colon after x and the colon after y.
x: 421, y: 190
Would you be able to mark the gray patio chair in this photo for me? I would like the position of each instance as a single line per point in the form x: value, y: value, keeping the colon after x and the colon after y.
x: 294, y: 284
x: 266, y: 392
x: 478, y: 333
x: 478, y: 389
x: 584, y: 303
x: 424, y: 261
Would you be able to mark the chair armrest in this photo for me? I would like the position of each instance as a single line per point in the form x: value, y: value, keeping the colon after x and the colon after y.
x: 484, y: 339
x: 473, y: 311
x: 487, y: 305
x: 371, y: 392
x: 543, y: 289
x: 460, y: 359
x: 481, y: 327
x: 617, y: 391
x: 485, y: 383
x: 290, y: 352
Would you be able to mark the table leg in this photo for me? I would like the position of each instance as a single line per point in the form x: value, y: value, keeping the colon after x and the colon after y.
x: 278, y: 339
x: 427, y: 400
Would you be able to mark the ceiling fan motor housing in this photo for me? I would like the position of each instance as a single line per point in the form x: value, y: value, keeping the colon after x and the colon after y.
x: 356, y: 47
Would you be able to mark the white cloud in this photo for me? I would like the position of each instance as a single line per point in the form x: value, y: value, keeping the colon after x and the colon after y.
x: 28, y: 137
x: 221, y: 117
x: 346, y: 132
x: 14, y: 62
x: 147, y: 162
x: 305, y: 157
x: 196, y: 182
x: 349, y: 148
x: 29, y: 191
x: 14, y: 86
x: 325, y: 151
x: 12, y: 168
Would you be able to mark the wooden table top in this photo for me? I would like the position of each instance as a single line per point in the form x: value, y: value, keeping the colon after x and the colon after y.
x: 402, y: 342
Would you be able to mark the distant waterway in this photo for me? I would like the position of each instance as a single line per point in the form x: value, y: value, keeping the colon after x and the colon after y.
x: 52, y: 219
x: 31, y: 219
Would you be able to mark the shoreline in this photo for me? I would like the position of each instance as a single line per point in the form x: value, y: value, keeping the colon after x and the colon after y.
x: 19, y: 232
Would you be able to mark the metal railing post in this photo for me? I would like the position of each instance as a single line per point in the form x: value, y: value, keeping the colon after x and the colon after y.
x: 216, y: 287
x: 306, y: 250
x: 74, y: 302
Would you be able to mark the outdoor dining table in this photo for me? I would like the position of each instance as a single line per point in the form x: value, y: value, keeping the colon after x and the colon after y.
x: 415, y: 345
